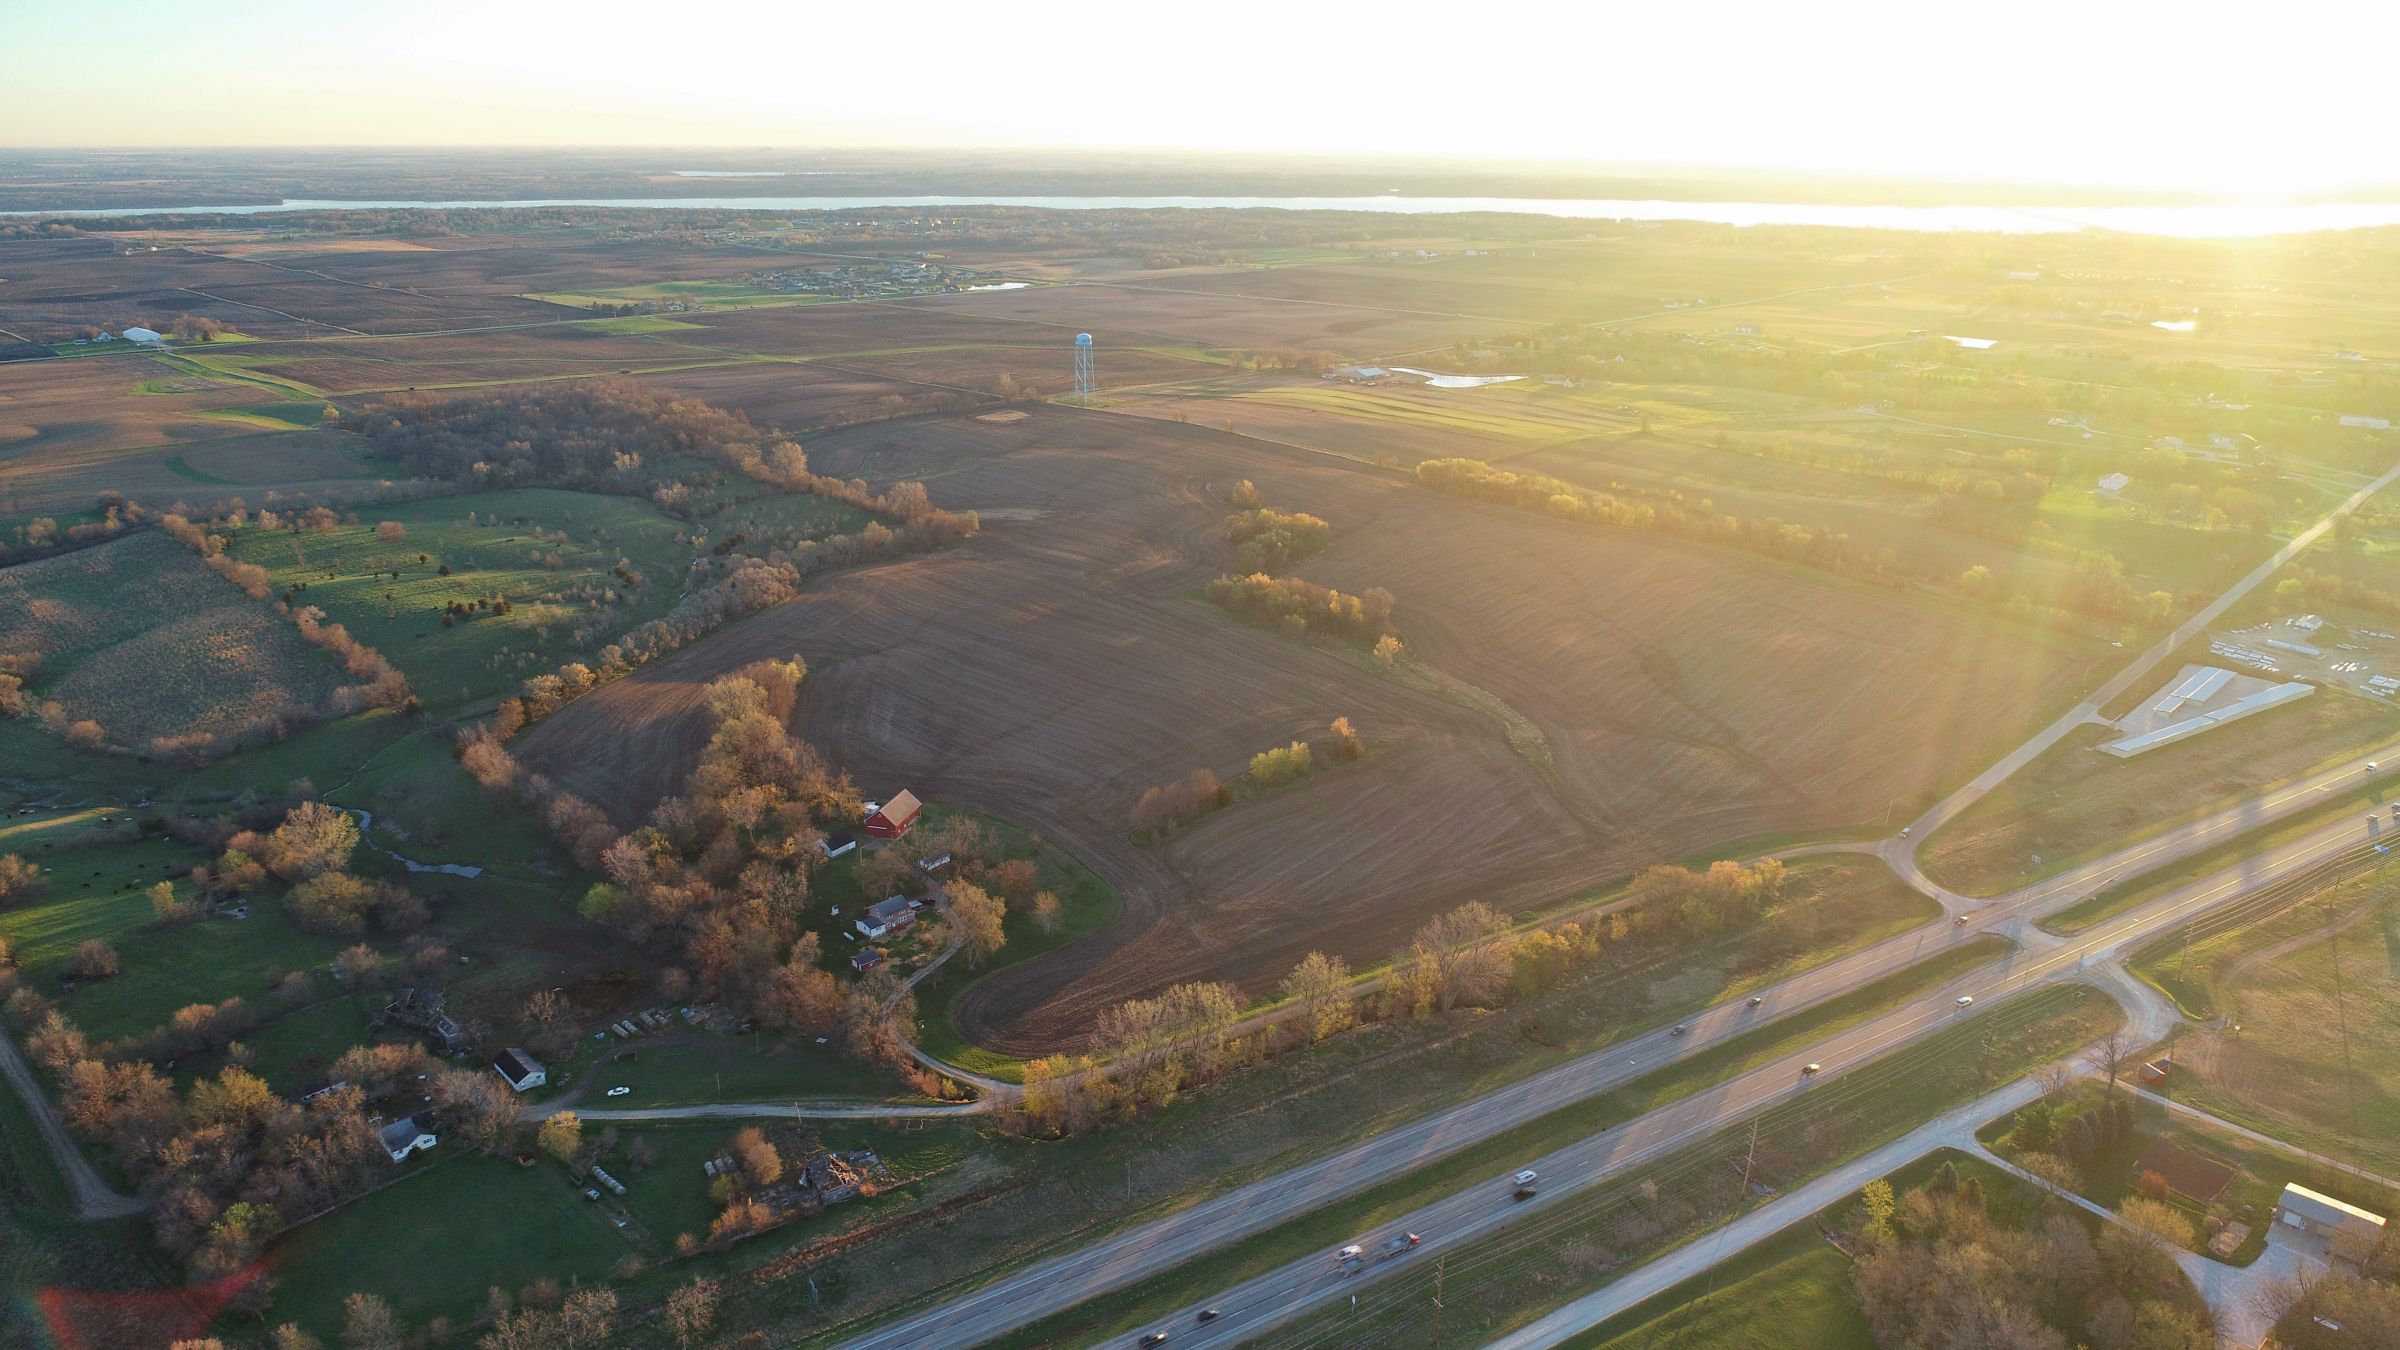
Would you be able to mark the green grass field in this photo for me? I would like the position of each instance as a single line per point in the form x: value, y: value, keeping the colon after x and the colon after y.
x: 426, y: 808
x: 2073, y: 804
x: 2315, y: 992
x: 496, y: 545
x: 501, y: 1227
x: 684, y: 1068
x: 1791, y: 1290
x: 2107, y: 903
x: 161, y: 969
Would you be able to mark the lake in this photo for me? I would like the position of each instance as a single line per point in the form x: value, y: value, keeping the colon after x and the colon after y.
x: 2222, y: 220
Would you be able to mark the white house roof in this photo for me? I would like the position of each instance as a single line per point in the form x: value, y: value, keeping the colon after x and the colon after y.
x: 143, y: 335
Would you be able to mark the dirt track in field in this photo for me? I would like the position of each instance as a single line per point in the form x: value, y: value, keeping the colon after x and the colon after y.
x: 1055, y: 667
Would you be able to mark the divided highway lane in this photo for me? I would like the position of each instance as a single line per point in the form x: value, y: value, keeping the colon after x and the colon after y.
x: 1161, y: 1244
x: 1251, y: 1308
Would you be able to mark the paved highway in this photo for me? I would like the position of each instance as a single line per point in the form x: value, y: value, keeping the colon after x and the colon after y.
x: 1257, y: 1305
x: 1151, y: 1248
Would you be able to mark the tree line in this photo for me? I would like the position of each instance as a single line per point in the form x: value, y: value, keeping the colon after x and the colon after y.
x: 1146, y: 1052
x: 1162, y: 810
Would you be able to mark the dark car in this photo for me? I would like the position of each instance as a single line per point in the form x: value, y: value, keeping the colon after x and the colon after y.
x: 1680, y: 1028
x: 1154, y: 1338
x: 1210, y: 1314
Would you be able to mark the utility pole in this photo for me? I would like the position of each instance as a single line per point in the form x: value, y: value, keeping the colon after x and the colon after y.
x: 1439, y: 1262
x: 1749, y: 1161
x: 2341, y: 1016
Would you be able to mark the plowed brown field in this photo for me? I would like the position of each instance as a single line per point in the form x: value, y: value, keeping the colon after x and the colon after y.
x: 1053, y: 668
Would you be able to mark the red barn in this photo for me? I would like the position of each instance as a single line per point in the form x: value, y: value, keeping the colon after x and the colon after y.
x: 895, y: 817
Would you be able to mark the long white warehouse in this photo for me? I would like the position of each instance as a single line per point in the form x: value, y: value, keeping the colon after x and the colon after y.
x: 2193, y: 726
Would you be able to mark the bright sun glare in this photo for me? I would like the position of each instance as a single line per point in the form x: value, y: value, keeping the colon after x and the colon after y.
x: 2216, y: 96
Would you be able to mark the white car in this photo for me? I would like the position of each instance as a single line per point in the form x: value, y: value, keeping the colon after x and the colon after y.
x: 619, y: 1091
x: 1966, y: 1000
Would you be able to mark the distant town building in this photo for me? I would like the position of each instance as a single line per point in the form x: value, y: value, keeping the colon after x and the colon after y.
x: 2114, y: 482
x: 146, y: 336
x: 2370, y: 423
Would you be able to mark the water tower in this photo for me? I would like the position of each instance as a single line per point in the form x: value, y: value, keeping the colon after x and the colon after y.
x: 1087, y: 384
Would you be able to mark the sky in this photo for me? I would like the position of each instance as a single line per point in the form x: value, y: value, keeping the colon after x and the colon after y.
x: 2250, y: 99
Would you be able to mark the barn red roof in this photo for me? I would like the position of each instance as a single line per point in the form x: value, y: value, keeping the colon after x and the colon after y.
x: 900, y: 810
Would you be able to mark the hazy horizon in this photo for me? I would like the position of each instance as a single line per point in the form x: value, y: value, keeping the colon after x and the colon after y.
x: 2143, y: 96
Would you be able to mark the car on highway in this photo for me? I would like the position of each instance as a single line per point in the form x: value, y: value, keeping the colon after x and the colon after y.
x: 1679, y: 1029
x: 1904, y: 831
x: 1525, y: 1183
x: 1154, y: 1338
x: 1755, y: 1000
x: 1966, y: 1000
x: 1807, y: 1069
x: 619, y: 1091
x: 1349, y: 1259
x: 1210, y: 1314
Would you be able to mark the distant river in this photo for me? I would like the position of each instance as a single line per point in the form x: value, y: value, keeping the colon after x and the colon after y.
x: 2225, y: 220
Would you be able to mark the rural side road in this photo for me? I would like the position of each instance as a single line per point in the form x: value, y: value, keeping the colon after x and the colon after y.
x: 93, y: 1198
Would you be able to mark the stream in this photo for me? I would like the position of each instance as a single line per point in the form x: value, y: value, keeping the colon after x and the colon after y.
x: 366, y: 822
